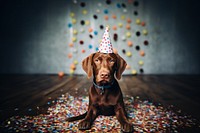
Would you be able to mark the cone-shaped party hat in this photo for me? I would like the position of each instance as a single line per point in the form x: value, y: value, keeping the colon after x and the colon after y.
x: 106, y: 45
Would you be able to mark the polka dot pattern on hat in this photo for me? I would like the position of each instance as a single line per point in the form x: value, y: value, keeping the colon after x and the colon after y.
x: 106, y: 45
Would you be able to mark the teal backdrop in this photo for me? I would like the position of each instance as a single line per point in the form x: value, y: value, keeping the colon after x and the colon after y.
x: 49, y: 36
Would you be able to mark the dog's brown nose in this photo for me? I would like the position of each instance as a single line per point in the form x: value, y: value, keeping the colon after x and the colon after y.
x: 105, y: 74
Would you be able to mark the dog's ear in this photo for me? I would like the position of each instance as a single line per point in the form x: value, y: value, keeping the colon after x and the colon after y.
x: 121, y: 65
x: 87, y: 65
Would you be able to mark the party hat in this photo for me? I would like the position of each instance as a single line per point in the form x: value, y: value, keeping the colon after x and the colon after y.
x: 106, y: 45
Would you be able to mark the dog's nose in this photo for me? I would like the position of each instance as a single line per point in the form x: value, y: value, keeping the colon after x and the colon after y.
x: 105, y: 74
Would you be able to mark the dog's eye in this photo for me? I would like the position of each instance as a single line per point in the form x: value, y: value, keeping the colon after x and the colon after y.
x: 96, y: 60
x: 112, y: 61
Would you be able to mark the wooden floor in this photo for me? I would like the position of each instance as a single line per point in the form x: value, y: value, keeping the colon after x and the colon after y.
x: 29, y: 94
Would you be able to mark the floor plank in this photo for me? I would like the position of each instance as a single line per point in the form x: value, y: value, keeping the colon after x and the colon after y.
x: 22, y: 92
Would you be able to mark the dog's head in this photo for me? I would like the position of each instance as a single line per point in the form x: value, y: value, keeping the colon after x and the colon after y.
x: 104, y: 66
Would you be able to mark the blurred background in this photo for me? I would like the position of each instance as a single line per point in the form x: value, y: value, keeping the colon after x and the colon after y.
x: 51, y: 36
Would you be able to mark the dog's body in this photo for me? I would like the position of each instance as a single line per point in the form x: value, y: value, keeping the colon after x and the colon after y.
x: 105, y: 96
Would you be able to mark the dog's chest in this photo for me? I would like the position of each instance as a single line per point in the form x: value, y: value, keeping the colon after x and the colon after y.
x: 105, y: 101
x: 105, y: 106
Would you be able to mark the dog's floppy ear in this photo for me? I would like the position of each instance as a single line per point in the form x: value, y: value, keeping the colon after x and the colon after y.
x: 121, y: 65
x: 87, y: 65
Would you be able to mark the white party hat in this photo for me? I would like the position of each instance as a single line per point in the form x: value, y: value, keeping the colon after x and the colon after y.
x: 106, y: 45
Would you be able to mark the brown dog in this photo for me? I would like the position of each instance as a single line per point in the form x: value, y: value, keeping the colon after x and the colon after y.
x: 105, y: 96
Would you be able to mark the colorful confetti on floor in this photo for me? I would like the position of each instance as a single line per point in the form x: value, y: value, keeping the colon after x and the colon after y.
x: 145, y: 116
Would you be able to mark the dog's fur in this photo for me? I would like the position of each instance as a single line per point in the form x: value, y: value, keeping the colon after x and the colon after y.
x: 108, y: 101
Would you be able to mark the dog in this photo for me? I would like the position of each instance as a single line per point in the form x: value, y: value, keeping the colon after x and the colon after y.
x: 105, y: 96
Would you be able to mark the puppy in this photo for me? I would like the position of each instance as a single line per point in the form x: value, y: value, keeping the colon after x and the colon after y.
x: 105, y: 96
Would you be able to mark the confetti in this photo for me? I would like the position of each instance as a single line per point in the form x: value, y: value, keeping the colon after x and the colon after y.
x: 73, y: 21
x: 82, y: 22
x: 143, y: 23
x: 128, y: 67
x: 118, y: 5
x: 95, y: 32
x: 82, y: 30
x: 134, y: 72
x: 69, y: 55
x: 87, y: 22
x: 95, y: 16
x: 61, y: 74
x: 74, y: 39
x: 91, y: 36
x: 106, y: 11
x: 114, y: 16
x: 142, y: 53
x: 135, y: 13
x: 123, y: 38
x: 72, y: 14
x: 138, y: 21
x: 90, y: 46
x: 136, y: 3
x: 128, y: 27
x: 83, y: 50
x: 123, y: 5
x: 146, y: 42
x: 115, y: 37
x: 69, y: 25
x: 71, y: 45
x: 81, y: 42
x: 141, y: 70
x: 138, y: 33
x: 108, y: 2
x: 82, y: 4
x: 120, y: 25
x: 71, y: 71
x: 90, y: 29
x: 106, y: 17
x: 114, y: 27
x: 73, y: 67
x: 137, y: 48
x: 123, y: 17
x: 128, y: 20
x: 98, y: 11
x: 101, y: 26
x: 128, y: 34
x: 129, y: 54
x: 145, y: 115
x: 130, y: 44
x: 125, y: 10
x: 75, y: 32
x: 123, y: 51
x: 141, y: 63
x: 119, y: 15
x: 84, y: 12
x: 75, y: 62
x: 145, y: 32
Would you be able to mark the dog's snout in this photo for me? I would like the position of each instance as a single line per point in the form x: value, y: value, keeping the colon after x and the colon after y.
x: 105, y: 74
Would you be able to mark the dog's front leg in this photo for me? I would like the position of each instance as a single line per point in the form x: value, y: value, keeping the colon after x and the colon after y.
x: 90, y: 117
x: 120, y: 112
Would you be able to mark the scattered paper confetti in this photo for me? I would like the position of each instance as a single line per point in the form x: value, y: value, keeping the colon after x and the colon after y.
x: 143, y: 114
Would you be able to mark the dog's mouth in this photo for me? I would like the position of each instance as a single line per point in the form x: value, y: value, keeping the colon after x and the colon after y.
x: 103, y: 81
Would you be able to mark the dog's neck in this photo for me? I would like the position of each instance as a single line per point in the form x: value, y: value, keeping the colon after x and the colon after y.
x: 103, y: 87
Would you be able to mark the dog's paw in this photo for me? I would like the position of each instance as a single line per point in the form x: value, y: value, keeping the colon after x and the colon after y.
x: 84, y: 125
x: 127, y: 128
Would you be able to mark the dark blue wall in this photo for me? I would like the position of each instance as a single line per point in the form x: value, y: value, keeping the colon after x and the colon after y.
x: 34, y: 36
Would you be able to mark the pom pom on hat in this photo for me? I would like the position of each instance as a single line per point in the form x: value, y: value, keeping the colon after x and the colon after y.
x: 106, y: 45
